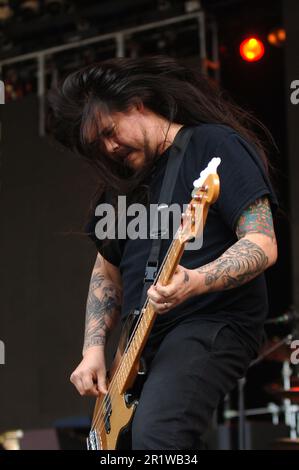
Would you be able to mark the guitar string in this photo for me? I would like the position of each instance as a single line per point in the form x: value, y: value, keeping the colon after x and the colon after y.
x: 103, y: 408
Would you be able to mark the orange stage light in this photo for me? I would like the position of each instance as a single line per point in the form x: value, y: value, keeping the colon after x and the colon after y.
x: 281, y: 34
x: 277, y: 37
x: 272, y: 38
x: 252, y: 49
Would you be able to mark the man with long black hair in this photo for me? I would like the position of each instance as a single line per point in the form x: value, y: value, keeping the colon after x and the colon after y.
x: 123, y: 115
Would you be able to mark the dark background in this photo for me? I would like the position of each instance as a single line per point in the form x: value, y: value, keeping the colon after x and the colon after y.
x: 46, y: 192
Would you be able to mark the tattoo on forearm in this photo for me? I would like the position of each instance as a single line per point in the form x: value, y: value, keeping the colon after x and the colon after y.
x: 96, y: 281
x: 186, y: 277
x: 239, y: 264
x: 98, y: 340
x: 102, y: 310
x: 257, y: 218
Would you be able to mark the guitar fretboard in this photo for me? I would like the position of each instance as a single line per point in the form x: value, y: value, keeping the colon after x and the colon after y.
x: 147, y: 317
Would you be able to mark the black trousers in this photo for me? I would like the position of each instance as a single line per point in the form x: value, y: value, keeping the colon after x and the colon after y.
x: 190, y: 369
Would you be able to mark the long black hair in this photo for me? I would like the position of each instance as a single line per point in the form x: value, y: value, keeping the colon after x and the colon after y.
x: 162, y: 84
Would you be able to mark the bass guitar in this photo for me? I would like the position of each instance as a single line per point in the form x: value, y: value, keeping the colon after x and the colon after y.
x: 114, y: 411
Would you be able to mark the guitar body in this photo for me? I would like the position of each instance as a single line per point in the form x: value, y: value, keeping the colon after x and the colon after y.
x: 120, y: 418
x: 114, y: 412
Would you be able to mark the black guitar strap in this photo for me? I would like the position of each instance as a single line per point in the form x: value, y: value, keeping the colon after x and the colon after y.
x: 175, y: 158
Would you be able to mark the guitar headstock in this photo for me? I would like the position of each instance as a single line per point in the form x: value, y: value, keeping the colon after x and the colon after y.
x: 205, y: 192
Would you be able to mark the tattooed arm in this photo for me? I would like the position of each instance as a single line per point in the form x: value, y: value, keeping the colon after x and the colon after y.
x: 254, y: 252
x: 103, y: 303
x: 102, y: 313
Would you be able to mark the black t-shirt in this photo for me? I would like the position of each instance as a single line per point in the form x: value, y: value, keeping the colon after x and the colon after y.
x: 242, y: 181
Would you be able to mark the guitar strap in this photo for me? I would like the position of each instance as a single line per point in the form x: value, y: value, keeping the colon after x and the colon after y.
x: 175, y: 158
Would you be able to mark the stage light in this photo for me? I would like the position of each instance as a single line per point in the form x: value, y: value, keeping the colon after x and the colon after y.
x: 281, y: 33
x: 272, y: 39
x: 277, y: 37
x: 252, y: 49
x: 5, y: 10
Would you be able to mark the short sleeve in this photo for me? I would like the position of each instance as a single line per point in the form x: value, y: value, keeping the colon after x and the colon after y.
x: 243, y: 179
x: 108, y: 248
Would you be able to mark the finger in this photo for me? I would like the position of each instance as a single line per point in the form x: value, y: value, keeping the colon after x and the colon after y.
x: 168, y: 300
x: 102, y: 384
x: 76, y: 380
x: 167, y: 291
x: 154, y: 296
x: 161, y: 307
x: 90, y: 387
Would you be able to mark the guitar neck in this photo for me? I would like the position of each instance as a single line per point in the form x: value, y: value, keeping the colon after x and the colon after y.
x: 147, y: 317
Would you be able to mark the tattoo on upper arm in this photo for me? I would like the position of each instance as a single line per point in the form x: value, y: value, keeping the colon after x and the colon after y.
x: 257, y: 218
